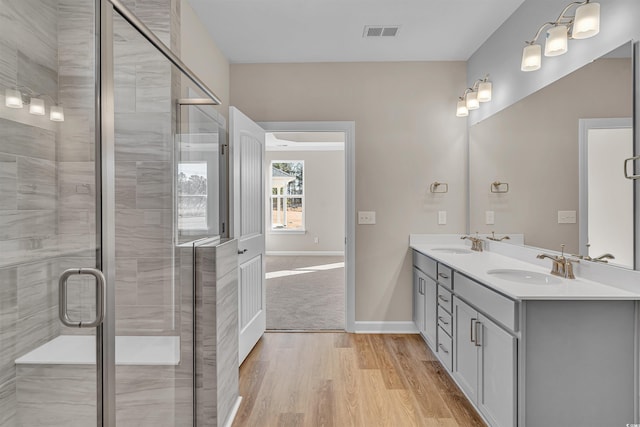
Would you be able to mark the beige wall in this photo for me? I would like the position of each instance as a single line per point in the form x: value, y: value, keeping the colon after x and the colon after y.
x: 200, y: 53
x: 533, y: 145
x: 324, y: 202
x: 407, y: 136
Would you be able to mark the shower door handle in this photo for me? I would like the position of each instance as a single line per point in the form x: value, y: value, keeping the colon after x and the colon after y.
x: 100, y: 297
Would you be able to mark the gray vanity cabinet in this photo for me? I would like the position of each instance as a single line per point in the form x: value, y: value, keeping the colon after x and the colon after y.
x: 418, y: 299
x: 485, y: 364
x: 425, y: 306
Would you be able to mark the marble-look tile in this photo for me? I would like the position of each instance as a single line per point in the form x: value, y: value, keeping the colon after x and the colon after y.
x: 37, y: 288
x: 126, y: 179
x: 8, y: 322
x: 143, y: 137
x: 227, y: 344
x: 72, y: 221
x: 58, y: 401
x: 154, y: 189
x: 40, y: 42
x: 124, y: 82
x: 76, y: 50
x: 28, y: 141
x: 36, y: 330
x: 38, y: 78
x: 8, y: 404
x: 155, y: 281
x: 155, y: 15
x: 8, y: 56
x: 147, y: 233
x: 8, y: 182
x: 153, y: 402
x: 142, y: 319
x: 77, y: 134
x: 126, y: 281
x: 153, y: 88
x: 36, y: 183
x: 25, y: 224
x: 77, y: 185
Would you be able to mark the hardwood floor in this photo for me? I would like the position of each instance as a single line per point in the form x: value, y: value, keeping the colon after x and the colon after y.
x: 340, y: 380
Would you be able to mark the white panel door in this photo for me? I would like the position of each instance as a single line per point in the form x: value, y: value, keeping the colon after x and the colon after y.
x: 247, y: 151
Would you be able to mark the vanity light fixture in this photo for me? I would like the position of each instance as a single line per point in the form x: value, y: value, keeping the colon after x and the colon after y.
x: 36, y: 106
x: 585, y: 24
x: 56, y: 114
x: 13, y: 98
x: 481, y: 91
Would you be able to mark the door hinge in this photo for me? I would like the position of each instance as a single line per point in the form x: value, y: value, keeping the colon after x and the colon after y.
x: 222, y: 149
x: 223, y: 227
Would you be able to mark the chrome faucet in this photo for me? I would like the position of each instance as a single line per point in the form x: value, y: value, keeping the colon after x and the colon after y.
x: 495, y: 239
x: 602, y: 258
x: 561, y: 265
x: 476, y: 242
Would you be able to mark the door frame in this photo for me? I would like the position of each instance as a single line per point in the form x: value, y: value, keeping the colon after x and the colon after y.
x: 349, y: 129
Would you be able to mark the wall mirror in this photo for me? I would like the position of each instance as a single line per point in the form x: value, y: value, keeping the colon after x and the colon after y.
x: 561, y: 151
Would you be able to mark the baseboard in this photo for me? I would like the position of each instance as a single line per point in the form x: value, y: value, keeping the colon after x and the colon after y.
x: 305, y: 253
x: 404, y: 327
x: 234, y: 412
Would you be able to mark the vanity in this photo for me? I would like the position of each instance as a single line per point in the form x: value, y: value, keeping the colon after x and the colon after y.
x: 527, y: 348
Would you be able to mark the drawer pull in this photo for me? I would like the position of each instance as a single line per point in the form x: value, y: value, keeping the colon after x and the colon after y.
x: 471, y: 330
x: 478, y: 343
x: 440, y: 318
x: 443, y: 348
x: 444, y: 276
x: 441, y: 298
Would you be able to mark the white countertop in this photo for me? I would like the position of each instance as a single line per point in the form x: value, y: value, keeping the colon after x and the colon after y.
x: 475, y: 265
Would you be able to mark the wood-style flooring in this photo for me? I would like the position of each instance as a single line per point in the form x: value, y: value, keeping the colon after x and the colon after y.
x: 342, y: 380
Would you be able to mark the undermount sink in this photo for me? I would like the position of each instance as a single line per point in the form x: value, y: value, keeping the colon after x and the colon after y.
x: 456, y: 251
x: 524, y: 276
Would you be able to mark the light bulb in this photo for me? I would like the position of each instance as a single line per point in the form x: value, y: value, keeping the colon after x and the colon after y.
x: 36, y: 106
x: 56, y: 114
x: 472, y: 101
x: 12, y: 98
x: 531, y: 57
x: 462, y: 110
x: 587, y: 21
x: 484, y: 91
x: 557, y: 41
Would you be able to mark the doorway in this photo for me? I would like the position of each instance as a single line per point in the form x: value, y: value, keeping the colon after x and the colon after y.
x: 309, y: 240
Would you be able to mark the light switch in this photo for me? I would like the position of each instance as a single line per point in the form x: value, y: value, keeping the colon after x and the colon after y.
x: 366, y: 217
x: 566, y: 217
x: 442, y: 217
x: 489, y: 217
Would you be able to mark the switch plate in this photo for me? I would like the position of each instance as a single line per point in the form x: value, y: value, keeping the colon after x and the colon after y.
x: 315, y: 240
x: 489, y: 217
x: 442, y: 217
x: 567, y: 217
x: 366, y: 217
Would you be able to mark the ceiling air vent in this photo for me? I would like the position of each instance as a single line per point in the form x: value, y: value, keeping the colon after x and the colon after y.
x: 380, y: 30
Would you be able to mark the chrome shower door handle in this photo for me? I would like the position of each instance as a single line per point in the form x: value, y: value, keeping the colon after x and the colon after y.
x: 626, y: 168
x: 100, y: 297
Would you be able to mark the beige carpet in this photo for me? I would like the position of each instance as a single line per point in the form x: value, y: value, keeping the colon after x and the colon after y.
x: 305, y: 292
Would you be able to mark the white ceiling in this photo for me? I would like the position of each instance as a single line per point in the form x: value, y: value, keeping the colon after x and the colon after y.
x: 254, y: 31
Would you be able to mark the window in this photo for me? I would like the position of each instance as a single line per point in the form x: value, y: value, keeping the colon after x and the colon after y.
x: 192, y: 196
x: 287, y: 195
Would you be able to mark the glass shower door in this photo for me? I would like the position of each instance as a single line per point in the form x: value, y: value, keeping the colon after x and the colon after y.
x: 48, y: 192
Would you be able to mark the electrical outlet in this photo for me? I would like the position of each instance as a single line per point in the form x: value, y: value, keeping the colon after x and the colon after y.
x: 366, y: 217
x: 442, y: 217
x: 490, y: 217
x: 316, y: 240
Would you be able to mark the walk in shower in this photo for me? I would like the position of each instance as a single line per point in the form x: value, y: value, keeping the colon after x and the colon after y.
x: 110, y: 159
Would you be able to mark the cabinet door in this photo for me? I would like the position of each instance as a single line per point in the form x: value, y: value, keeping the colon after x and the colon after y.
x: 431, y: 310
x: 465, y: 355
x: 418, y: 299
x: 497, y: 380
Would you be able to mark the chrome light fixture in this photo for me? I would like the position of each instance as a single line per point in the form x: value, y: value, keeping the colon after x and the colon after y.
x: 480, y: 91
x: 585, y: 24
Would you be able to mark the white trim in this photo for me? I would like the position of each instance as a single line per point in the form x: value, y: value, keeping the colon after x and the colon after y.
x: 349, y: 129
x: 305, y: 253
x: 233, y: 413
x: 392, y: 327
x: 284, y: 231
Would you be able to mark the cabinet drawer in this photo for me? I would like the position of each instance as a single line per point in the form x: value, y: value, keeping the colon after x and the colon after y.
x: 425, y: 264
x: 445, y: 320
x: 445, y: 276
x: 500, y: 308
x: 445, y: 353
x: 445, y: 298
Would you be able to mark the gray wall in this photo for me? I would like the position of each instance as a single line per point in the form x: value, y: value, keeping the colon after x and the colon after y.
x: 501, y: 54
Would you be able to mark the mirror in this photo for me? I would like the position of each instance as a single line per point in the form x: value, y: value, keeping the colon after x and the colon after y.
x: 557, y: 157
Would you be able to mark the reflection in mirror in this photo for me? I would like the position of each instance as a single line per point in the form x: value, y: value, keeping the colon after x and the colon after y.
x: 534, y: 145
